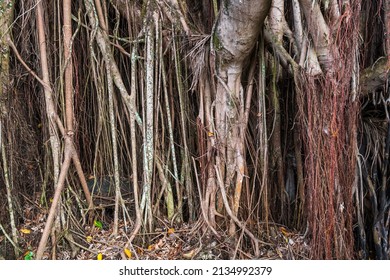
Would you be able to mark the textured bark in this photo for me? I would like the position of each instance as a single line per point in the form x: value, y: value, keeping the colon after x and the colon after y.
x: 276, y: 19
x: 50, y: 108
x: 238, y: 28
x: 103, y: 44
x: 236, y: 32
x: 386, y: 6
x: 68, y: 80
x: 6, y: 16
x: 307, y: 56
x: 57, y: 196
x: 276, y: 23
x: 319, y: 31
x: 149, y: 122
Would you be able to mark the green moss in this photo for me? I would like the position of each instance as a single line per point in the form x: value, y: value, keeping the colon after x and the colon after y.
x: 216, y: 42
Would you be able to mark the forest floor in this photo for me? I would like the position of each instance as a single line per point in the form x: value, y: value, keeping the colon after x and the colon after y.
x: 168, y: 242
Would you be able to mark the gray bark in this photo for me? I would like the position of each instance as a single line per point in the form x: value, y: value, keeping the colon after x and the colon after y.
x: 237, y: 28
x: 235, y: 34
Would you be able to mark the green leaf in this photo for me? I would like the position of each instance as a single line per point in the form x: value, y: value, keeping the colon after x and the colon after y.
x: 98, y: 224
x: 28, y: 256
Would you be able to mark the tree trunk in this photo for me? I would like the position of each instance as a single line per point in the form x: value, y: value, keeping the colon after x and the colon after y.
x: 236, y: 31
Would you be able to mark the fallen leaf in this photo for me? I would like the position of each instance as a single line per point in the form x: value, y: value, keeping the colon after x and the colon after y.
x: 127, y: 252
x: 89, y: 239
x: 25, y: 231
x: 98, y: 224
x: 285, y: 231
x: 28, y: 255
x: 151, y: 247
x: 171, y: 230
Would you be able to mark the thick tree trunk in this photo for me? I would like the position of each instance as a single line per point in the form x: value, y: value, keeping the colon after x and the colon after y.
x: 236, y: 32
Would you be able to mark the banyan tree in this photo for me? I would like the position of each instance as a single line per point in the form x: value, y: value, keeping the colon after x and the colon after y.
x: 234, y: 121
